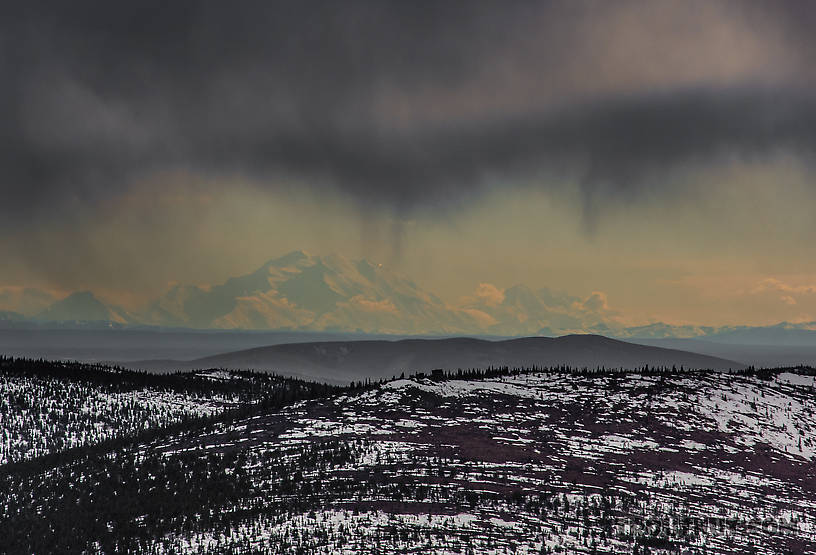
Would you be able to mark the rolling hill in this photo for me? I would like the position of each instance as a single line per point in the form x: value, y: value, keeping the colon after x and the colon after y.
x: 657, y: 462
x: 342, y: 361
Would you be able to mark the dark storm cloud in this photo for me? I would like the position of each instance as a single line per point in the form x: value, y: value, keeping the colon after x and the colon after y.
x: 401, y: 104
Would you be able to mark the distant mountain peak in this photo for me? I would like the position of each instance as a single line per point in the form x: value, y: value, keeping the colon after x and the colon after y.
x: 84, y: 296
x: 86, y: 307
x: 330, y: 292
x: 291, y: 258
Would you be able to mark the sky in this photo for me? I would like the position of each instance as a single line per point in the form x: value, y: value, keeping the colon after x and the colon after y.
x: 660, y: 153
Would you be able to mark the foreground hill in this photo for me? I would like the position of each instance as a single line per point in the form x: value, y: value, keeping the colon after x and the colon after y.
x: 50, y: 407
x: 532, y: 462
x: 343, y: 361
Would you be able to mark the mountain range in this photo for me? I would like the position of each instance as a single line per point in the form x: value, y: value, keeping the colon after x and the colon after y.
x: 304, y: 292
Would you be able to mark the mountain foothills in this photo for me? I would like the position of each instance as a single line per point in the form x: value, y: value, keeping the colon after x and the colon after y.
x: 304, y: 292
x: 344, y: 361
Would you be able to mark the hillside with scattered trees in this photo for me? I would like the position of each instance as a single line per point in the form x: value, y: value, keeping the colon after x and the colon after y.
x: 536, y: 460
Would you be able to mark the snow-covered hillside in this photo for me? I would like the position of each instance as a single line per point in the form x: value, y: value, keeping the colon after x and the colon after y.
x: 709, y: 463
x: 39, y: 418
x: 47, y: 408
x: 520, y: 463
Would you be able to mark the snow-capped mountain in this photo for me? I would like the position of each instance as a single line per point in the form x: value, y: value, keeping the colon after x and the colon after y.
x: 25, y: 301
x: 305, y: 292
x: 83, y: 306
x: 302, y: 291
x: 520, y: 310
x: 332, y: 293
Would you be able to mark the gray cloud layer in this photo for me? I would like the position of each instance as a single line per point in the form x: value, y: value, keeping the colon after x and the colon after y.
x: 405, y: 105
